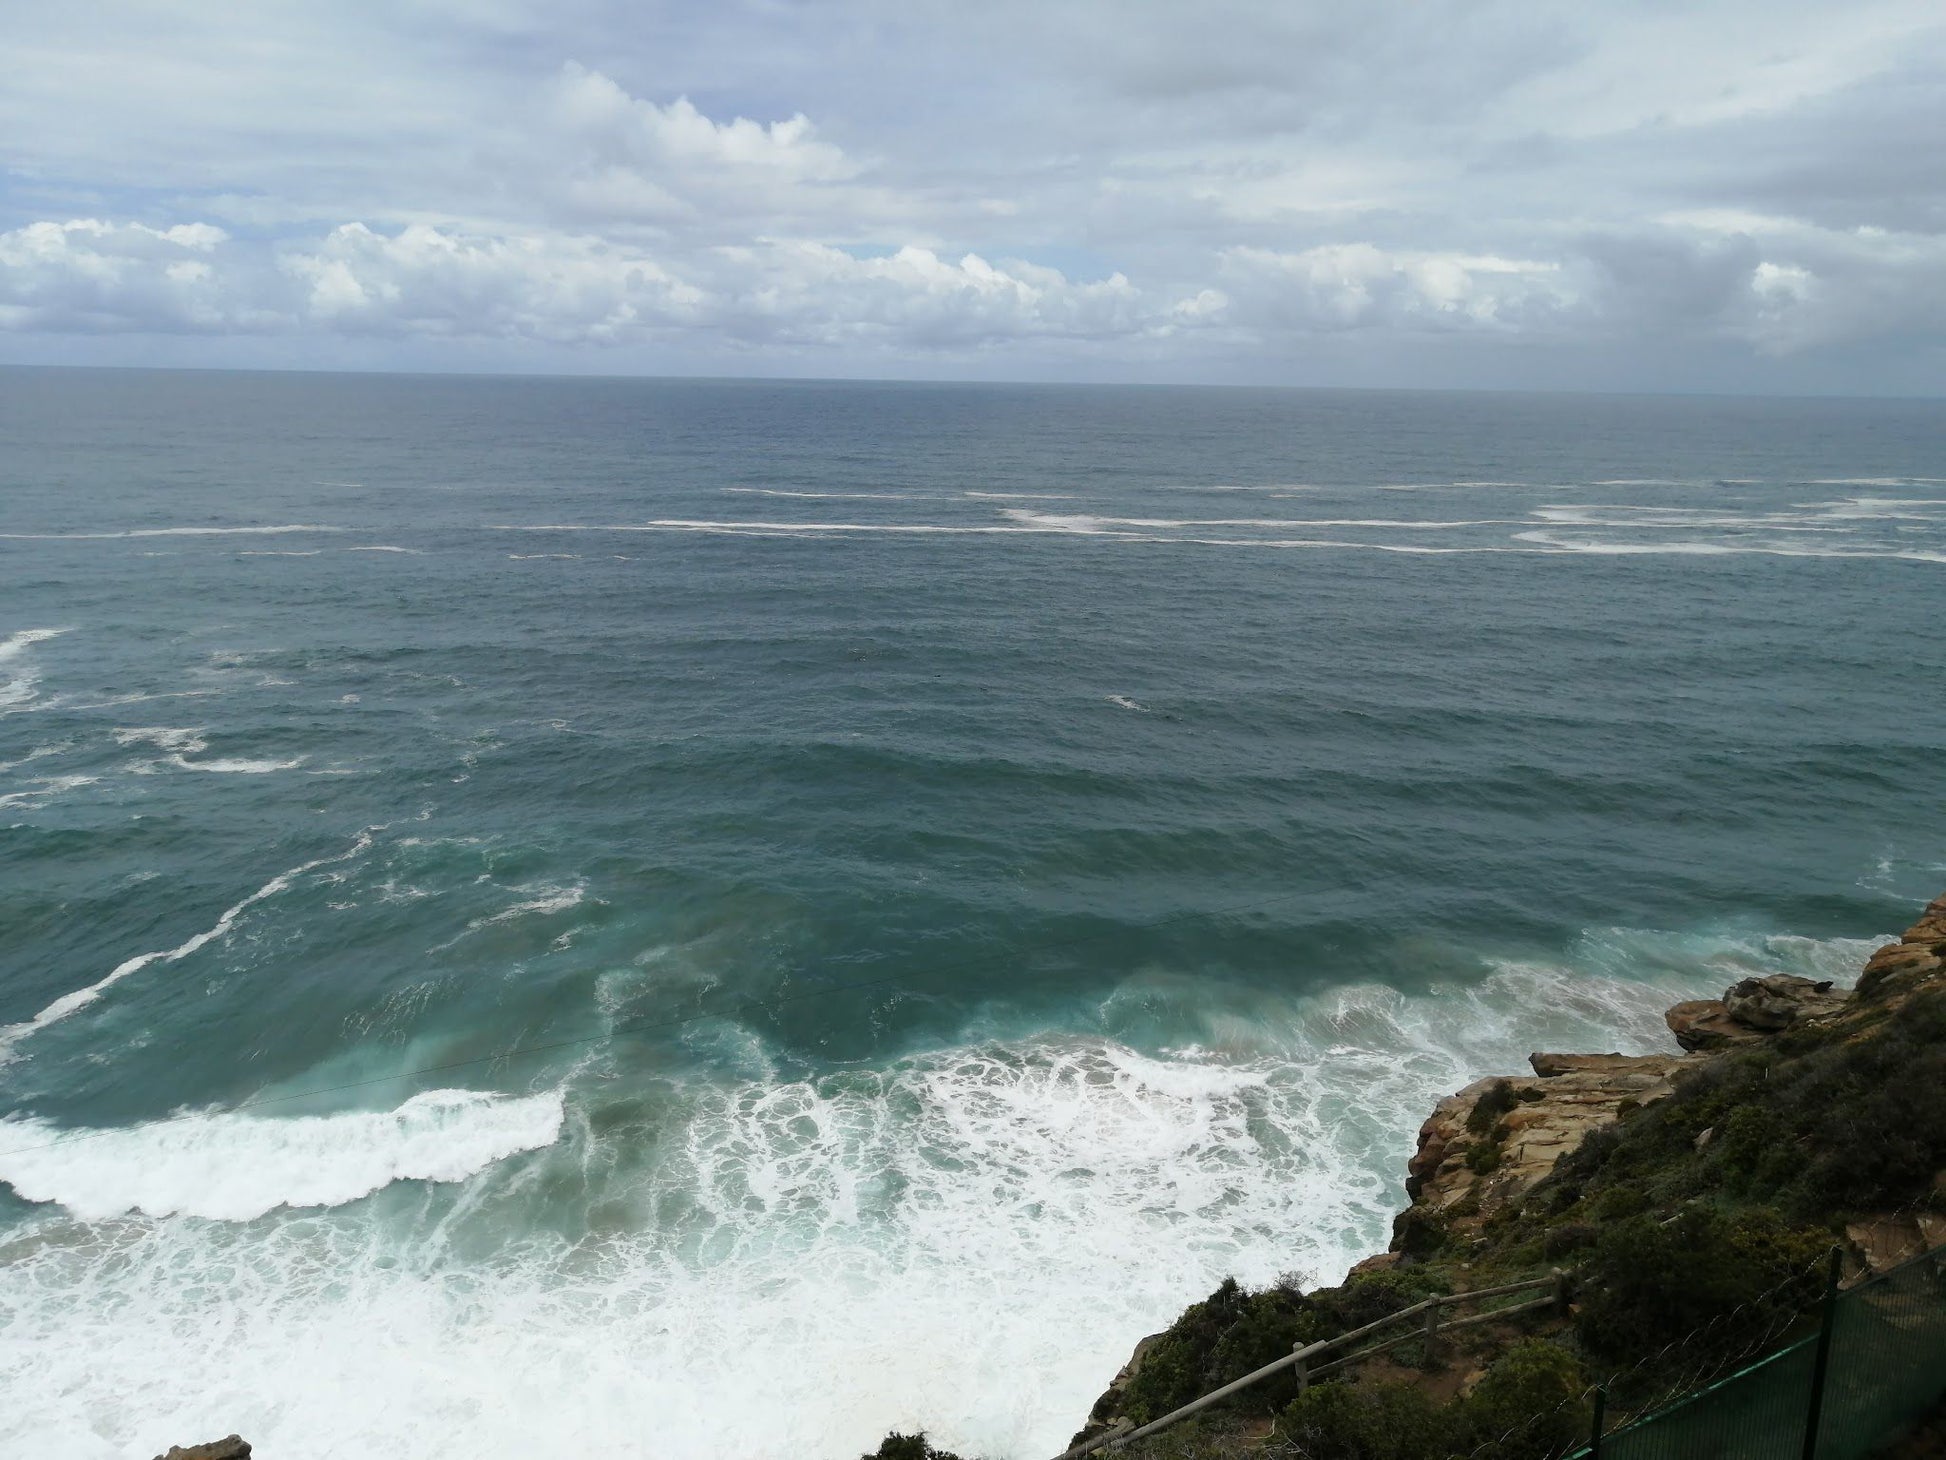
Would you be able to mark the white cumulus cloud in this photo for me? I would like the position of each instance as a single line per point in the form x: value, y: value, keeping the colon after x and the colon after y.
x: 879, y: 186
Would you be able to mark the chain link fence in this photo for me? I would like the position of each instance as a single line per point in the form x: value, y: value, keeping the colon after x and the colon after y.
x: 1877, y: 1364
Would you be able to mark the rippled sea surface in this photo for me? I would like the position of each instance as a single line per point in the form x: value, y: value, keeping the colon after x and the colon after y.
x: 742, y: 915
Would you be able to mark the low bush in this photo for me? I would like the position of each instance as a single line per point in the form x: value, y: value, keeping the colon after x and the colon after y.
x: 896, y: 1446
x: 1232, y: 1332
x: 1384, y: 1421
x: 1529, y: 1405
x: 1495, y: 1101
x: 1648, y: 1283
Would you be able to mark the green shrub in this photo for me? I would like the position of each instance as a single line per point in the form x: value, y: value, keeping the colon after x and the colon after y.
x: 1483, y: 1158
x: 1418, y: 1233
x: 1495, y: 1101
x: 1171, y: 1372
x: 1383, y: 1421
x: 1232, y: 1332
x: 896, y: 1446
x: 1219, y: 1339
x: 1370, y: 1297
x: 1568, y: 1237
x: 1266, y: 1329
x: 1617, y: 1203
x: 1647, y: 1284
x: 1529, y: 1405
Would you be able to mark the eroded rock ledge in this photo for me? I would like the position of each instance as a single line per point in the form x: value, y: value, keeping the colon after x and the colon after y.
x: 1493, y: 1140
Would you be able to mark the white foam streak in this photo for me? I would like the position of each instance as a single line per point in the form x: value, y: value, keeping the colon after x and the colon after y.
x: 551, y: 900
x: 41, y: 792
x: 758, y: 529
x: 1875, y: 481
x: 1079, y: 522
x: 39, y: 752
x: 183, y: 743
x: 166, y: 532
x: 72, y: 1003
x: 235, y: 1166
x: 1871, y: 509
x: 821, y: 496
x: 1676, y: 519
x: 1559, y: 543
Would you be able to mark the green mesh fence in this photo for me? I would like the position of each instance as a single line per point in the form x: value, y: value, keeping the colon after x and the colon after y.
x: 1886, y: 1367
x: 1888, y: 1358
x: 1757, y: 1414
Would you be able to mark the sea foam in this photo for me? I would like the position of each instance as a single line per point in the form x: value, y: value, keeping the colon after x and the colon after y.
x: 181, y: 743
x: 22, y: 682
x: 236, y: 1166
x: 968, y: 1238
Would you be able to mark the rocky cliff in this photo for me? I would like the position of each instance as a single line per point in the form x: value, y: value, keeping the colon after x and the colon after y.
x: 1790, y: 1113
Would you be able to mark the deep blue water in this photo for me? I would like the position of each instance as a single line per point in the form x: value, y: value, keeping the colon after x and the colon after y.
x: 1198, y: 783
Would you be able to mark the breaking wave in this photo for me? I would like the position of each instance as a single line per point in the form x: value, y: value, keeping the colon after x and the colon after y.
x: 967, y: 1238
x: 233, y: 1167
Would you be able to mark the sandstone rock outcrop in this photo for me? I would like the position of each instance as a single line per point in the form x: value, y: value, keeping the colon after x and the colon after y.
x: 230, y: 1447
x: 1493, y: 1140
x: 1753, y: 1009
x: 1918, y: 956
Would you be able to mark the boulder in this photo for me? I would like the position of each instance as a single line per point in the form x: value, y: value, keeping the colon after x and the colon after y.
x: 231, y: 1447
x: 1776, y: 1002
x: 1703, y: 1024
x: 1753, y: 1009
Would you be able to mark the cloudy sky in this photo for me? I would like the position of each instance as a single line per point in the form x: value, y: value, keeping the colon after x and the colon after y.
x: 1731, y: 196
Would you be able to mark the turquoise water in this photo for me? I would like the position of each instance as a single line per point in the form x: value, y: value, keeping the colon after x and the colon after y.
x: 970, y: 866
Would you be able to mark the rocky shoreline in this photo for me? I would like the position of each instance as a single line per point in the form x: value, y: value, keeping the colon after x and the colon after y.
x: 1487, y: 1149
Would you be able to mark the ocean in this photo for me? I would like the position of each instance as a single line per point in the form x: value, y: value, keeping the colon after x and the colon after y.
x: 544, y: 917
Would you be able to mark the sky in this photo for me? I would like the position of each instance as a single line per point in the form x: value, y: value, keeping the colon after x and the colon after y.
x: 1714, y: 195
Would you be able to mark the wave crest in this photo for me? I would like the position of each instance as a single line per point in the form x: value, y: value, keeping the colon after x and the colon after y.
x: 234, y: 1167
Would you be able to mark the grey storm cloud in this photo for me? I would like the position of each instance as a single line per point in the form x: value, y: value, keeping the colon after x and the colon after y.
x: 1710, y: 195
